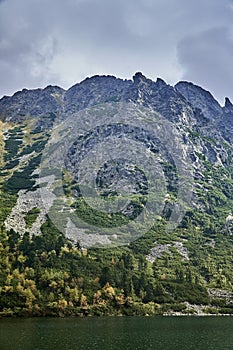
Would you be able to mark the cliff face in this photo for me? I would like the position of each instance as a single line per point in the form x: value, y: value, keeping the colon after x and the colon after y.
x: 176, y: 125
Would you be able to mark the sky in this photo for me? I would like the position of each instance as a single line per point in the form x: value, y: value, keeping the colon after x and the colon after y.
x: 59, y: 42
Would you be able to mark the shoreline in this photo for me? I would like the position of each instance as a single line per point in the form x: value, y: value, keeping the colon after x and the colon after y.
x: 114, y: 315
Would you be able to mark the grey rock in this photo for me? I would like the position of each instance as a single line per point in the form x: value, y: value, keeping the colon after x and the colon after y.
x: 200, y: 98
x: 33, y: 103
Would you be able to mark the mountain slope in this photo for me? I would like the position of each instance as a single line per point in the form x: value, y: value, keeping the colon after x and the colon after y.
x: 139, y: 167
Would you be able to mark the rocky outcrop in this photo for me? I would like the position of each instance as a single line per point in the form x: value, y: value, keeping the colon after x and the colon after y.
x: 200, y: 99
x: 41, y: 198
x: 225, y: 123
x: 159, y: 249
x: 94, y: 90
x: 34, y: 103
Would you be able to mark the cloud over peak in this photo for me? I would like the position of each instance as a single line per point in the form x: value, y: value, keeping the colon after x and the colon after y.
x: 61, y: 42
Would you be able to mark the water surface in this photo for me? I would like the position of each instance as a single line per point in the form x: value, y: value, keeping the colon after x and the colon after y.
x: 111, y: 333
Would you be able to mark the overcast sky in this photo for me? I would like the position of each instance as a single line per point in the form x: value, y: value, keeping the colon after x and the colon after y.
x: 61, y: 42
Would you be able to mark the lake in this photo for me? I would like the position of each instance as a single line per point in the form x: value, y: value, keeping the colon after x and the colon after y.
x: 114, y: 333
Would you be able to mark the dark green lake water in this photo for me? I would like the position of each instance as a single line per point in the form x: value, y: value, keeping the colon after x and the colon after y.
x: 126, y: 333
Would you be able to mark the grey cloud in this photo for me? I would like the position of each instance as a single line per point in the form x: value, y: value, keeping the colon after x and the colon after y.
x: 207, y: 59
x: 61, y: 42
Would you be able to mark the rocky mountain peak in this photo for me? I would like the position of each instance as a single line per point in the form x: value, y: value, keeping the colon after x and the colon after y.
x: 140, y: 78
x: 228, y: 104
x: 34, y: 102
x: 200, y: 98
x: 53, y: 89
x: 97, y: 89
x: 160, y: 82
x: 184, y: 103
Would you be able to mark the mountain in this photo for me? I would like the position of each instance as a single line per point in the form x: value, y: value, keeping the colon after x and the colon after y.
x: 116, y: 198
